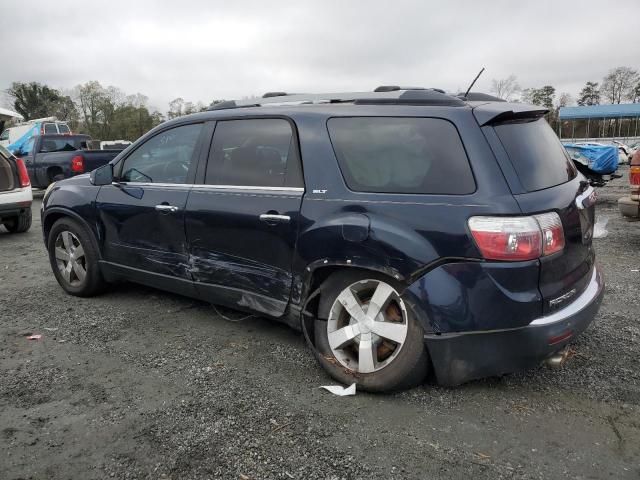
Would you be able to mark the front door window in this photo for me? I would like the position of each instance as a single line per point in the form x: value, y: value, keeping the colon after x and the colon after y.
x: 165, y: 158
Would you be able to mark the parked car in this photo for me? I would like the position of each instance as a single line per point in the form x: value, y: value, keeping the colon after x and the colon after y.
x: 401, y: 230
x: 630, y: 206
x: 15, y: 137
x: 15, y: 193
x: 50, y: 158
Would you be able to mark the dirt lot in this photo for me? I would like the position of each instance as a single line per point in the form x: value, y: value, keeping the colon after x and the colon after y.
x: 138, y: 383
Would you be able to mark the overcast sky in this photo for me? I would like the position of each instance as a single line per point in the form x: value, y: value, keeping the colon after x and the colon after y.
x: 205, y: 50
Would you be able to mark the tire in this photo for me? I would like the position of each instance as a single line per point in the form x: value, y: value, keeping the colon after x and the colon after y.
x: 72, y: 251
x: 392, y: 365
x: 20, y: 224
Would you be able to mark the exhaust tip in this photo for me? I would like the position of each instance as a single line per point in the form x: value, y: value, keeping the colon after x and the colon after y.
x: 558, y: 359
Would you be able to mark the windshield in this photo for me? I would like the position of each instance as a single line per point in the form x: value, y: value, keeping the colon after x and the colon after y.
x: 536, y: 153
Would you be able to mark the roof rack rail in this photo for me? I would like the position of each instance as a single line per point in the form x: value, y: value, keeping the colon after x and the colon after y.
x: 274, y: 94
x: 395, y: 88
x: 432, y: 96
x: 226, y: 105
x: 403, y: 96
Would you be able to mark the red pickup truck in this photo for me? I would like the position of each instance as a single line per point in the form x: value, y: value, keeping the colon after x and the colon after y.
x: 630, y: 206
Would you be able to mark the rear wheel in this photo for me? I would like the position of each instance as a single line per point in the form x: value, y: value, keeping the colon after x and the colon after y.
x: 370, y: 335
x: 74, y: 259
x: 19, y: 224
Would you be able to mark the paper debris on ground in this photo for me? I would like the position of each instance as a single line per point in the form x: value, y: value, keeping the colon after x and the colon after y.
x: 340, y: 390
x: 34, y: 337
x: 600, y: 228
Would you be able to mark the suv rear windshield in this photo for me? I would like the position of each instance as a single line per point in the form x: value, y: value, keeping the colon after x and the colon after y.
x: 536, y: 153
x: 401, y: 155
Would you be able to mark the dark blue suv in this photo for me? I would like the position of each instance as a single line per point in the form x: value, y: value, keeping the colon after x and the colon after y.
x: 403, y: 231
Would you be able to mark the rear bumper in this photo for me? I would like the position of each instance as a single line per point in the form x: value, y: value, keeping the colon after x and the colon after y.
x: 15, y: 202
x: 629, y: 207
x: 459, y: 357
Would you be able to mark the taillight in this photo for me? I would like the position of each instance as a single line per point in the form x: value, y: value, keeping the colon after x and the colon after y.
x: 517, y: 238
x: 634, y: 175
x: 77, y: 164
x: 552, y: 232
x: 23, y: 176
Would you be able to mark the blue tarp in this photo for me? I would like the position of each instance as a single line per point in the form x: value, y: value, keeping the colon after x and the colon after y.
x: 18, y: 144
x: 602, y: 159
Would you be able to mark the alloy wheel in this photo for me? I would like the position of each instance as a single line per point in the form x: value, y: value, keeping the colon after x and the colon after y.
x: 70, y: 258
x: 367, y: 326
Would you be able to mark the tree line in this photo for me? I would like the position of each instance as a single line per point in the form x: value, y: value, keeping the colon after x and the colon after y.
x: 108, y: 113
x: 105, y: 113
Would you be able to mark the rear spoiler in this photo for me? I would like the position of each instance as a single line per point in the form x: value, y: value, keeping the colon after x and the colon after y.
x: 497, y: 112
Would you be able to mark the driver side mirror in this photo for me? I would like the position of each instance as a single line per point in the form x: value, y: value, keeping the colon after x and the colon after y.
x: 102, y: 175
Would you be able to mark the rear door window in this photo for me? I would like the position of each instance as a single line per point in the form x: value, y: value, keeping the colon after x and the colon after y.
x: 50, y: 128
x: 537, y: 155
x: 66, y: 144
x: 401, y: 155
x: 254, y: 152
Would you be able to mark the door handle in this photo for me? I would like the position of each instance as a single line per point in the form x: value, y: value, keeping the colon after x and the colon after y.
x: 274, y: 218
x: 167, y: 208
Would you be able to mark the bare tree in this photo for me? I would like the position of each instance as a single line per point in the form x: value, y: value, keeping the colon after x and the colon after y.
x: 137, y: 100
x: 175, y: 108
x: 619, y: 83
x: 634, y: 94
x: 565, y: 99
x: 505, y: 88
x: 189, y: 108
x: 90, y: 98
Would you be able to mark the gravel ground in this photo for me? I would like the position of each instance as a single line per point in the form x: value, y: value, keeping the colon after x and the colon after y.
x: 138, y: 383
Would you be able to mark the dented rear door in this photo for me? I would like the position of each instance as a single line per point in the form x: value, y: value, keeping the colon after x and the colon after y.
x: 242, y: 217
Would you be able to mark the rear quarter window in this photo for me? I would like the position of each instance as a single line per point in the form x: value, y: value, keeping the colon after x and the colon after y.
x: 401, y: 155
x: 537, y: 155
x: 50, y: 128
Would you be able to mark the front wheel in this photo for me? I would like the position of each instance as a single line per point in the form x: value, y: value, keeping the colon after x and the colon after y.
x: 366, y: 333
x: 74, y: 259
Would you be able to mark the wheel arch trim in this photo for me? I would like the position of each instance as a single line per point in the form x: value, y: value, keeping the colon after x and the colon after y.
x: 60, y: 212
